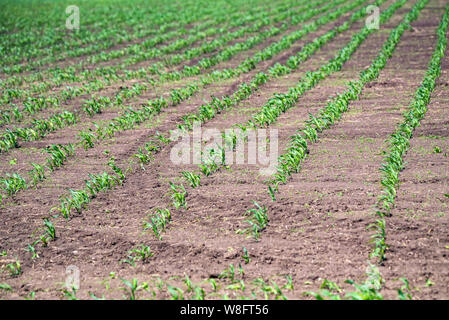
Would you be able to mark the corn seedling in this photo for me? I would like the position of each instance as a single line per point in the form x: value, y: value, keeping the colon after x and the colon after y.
x: 44, y: 240
x: 93, y: 296
x: 120, y: 174
x: 31, y: 248
x: 37, y: 174
x: 139, y: 254
x: 49, y: 229
x: 245, y: 256
x: 267, y: 290
x: 404, y: 291
x: 143, y: 158
x: 132, y: 287
x: 258, y: 222
x: 158, y: 221
x: 192, y: 178
x: 70, y: 294
x: 175, y: 292
x: 5, y: 287
x: 215, y: 286
x: 178, y: 195
x: 378, y: 239
x: 12, y: 184
x: 14, y: 268
x: 289, y: 284
x: 271, y: 193
x: 228, y: 273
x: 59, y: 154
x: 198, y: 293
x: 87, y: 139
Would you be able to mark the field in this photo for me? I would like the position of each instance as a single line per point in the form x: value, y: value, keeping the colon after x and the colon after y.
x: 122, y: 124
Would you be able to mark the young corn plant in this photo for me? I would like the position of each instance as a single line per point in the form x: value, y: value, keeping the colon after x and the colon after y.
x: 205, y: 169
x: 378, y: 240
x: 87, y: 139
x: 178, y: 195
x: 31, y: 248
x: 369, y: 290
x: 271, y: 192
x: 289, y: 284
x: 132, y: 287
x: 208, y: 167
x: 269, y: 290
x: 143, y: 253
x: 258, y: 222
x: 79, y: 199
x: 37, y: 174
x: 43, y: 239
x: 93, y: 106
x: 70, y: 294
x: 143, y: 158
x: 399, y: 141
x: 192, y: 178
x: 65, y: 207
x: 245, y: 256
x: 49, y: 229
x: 404, y: 291
x: 14, y: 268
x: 198, y: 293
x: 12, y: 184
x: 158, y: 221
x: 59, y: 154
x: 228, y: 273
x: 120, y: 175
x: 175, y: 292
x: 8, y: 141
x: 5, y: 287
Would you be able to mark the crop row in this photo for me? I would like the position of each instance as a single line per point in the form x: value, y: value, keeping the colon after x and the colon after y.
x: 131, y: 117
x: 209, y: 165
x: 298, y: 146
x: 115, y: 73
x: 391, y: 168
x: 144, y: 24
x: 24, y: 32
x: 11, y: 184
x: 161, y: 36
x: 297, y: 150
x: 399, y: 141
x: 42, y: 127
x: 78, y: 199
